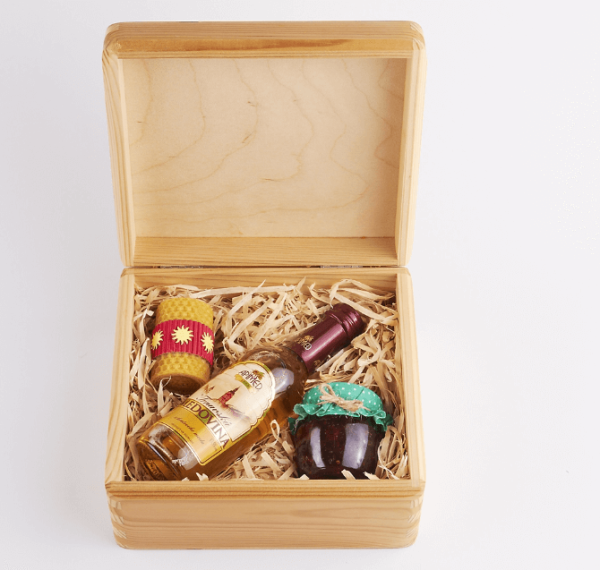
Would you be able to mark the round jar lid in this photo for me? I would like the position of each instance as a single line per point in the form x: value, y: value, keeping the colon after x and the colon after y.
x: 341, y: 399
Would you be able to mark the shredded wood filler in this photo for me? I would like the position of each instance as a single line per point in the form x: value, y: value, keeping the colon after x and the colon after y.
x: 245, y: 317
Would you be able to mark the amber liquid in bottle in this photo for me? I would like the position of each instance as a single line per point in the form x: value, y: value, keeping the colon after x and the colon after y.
x: 223, y: 419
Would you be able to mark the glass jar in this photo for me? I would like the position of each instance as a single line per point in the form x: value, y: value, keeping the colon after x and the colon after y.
x: 340, y: 427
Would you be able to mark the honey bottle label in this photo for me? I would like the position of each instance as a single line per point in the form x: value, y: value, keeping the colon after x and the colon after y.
x: 224, y: 410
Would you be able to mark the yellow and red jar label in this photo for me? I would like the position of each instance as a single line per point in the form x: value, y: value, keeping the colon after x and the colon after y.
x: 182, y: 335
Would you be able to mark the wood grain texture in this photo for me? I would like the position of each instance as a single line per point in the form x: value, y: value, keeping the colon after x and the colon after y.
x: 117, y: 422
x: 264, y: 148
x: 265, y: 251
x: 410, y: 379
x: 263, y: 39
x: 213, y: 277
x: 119, y: 154
x: 412, y: 128
x: 300, y: 514
x: 282, y: 144
x: 282, y: 514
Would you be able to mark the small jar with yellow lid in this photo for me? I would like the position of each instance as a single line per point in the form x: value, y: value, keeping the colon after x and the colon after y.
x: 182, y: 345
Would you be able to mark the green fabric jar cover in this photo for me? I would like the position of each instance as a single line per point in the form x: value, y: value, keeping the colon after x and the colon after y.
x: 312, y: 405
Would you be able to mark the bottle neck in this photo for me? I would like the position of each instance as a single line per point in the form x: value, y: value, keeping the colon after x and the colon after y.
x: 317, y: 344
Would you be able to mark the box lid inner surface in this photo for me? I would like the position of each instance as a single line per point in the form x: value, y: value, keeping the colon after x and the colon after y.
x: 290, y: 157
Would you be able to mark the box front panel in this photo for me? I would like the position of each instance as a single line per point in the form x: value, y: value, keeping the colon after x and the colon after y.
x: 162, y: 523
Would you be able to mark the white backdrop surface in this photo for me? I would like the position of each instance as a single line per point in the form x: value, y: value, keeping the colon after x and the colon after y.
x: 505, y: 269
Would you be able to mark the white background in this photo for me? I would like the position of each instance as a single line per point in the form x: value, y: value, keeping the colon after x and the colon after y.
x: 505, y: 268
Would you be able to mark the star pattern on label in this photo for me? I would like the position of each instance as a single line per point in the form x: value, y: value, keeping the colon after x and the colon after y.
x: 156, y: 339
x: 207, y: 342
x: 182, y: 335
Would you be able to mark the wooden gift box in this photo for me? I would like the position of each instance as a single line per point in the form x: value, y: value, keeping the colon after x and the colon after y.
x: 251, y: 152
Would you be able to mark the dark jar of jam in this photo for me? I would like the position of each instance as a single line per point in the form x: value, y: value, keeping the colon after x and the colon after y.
x: 340, y: 428
x: 327, y: 445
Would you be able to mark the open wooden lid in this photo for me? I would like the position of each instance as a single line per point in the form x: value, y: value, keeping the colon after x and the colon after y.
x: 281, y: 144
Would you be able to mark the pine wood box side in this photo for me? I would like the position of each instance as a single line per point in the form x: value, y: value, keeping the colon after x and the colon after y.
x: 292, y: 514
